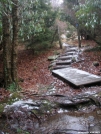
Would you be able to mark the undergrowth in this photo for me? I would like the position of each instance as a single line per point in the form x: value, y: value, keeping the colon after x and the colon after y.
x: 97, y: 48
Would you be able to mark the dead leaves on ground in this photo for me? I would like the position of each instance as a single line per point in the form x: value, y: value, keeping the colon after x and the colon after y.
x: 33, y: 72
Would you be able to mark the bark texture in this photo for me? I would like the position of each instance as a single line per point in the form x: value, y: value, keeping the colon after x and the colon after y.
x: 6, y: 51
x: 10, y: 43
x: 57, y: 32
x: 15, y: 40
x: 60, y: 43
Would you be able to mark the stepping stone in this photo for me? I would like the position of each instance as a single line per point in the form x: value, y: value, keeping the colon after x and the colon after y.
x: 68, y: 53
x: 67, y: 45
x: 67, y: 62
x: 50, y: 58
x: 60, y: 67
x: 65, y: 57
x: 71, y: 49
x: 71, y: 46
x: 76, y: 76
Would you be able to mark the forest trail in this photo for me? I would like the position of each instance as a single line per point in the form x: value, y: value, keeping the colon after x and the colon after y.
x: 86, y: 118
x: 61, y: 70
x: 60, y: 108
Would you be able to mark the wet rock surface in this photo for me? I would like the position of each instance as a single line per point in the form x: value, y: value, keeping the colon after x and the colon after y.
x: 52, y: 113
x: 71, y: 123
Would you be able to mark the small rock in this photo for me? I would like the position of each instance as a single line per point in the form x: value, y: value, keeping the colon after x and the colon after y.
x: 51, y: 65
x: 50, y: 58
x: 96, y: 63
x: 21, y: 80
x: 91, y: 118
x: 73, y: 59
x: 1, y: 132
x: 99, y: 112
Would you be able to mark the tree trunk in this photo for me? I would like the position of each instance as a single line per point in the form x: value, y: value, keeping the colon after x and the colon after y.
x: 60, y: 43
x: 59, y: 38
x: 79, y: 40
x: 56, y: 31
x: 15, y: 40
x: 6, y: 51
x: 10, y: 49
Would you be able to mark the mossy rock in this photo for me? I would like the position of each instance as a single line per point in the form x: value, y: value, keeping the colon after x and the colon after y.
x: 73, y: 59
x: 2, y: 108
x: 57, y: 52
x: 54, y: 57
x: 51, y: 65
x: 12, y: 98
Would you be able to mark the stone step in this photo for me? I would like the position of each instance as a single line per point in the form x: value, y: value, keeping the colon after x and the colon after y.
x: 66, y: 62
x: 65, y: 57
x: 50, y: 58
x: 68, y: 53
x: 76, y: 76
x: 60, y: 67
x: 71, y: 49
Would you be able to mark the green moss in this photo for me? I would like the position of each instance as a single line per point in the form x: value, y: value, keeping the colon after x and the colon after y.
x: 2, y: 108
x: 14, y: 97
x: 20, y: 131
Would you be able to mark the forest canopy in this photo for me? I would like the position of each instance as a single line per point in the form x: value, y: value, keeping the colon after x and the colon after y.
x: 86, y: 14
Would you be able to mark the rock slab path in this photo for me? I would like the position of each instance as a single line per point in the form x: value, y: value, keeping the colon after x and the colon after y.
x: 76, y: 76
x: 62, y: 68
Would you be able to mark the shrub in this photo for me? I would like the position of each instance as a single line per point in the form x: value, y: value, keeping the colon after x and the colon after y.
x: 69, y: 35
x: 42, y: 41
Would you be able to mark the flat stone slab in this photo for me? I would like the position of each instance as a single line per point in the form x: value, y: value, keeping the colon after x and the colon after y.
x: 71, y: 49
x: 67, y: 45
x: 50, y: 58
x: 68, y: 53
x: 76, y: 76
x: 60, y: 67
x: 66, y: 62
x: 65, y: 57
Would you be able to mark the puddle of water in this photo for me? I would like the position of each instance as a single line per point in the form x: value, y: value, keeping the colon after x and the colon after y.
x: 64, y: 122
x: 71, y: 123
